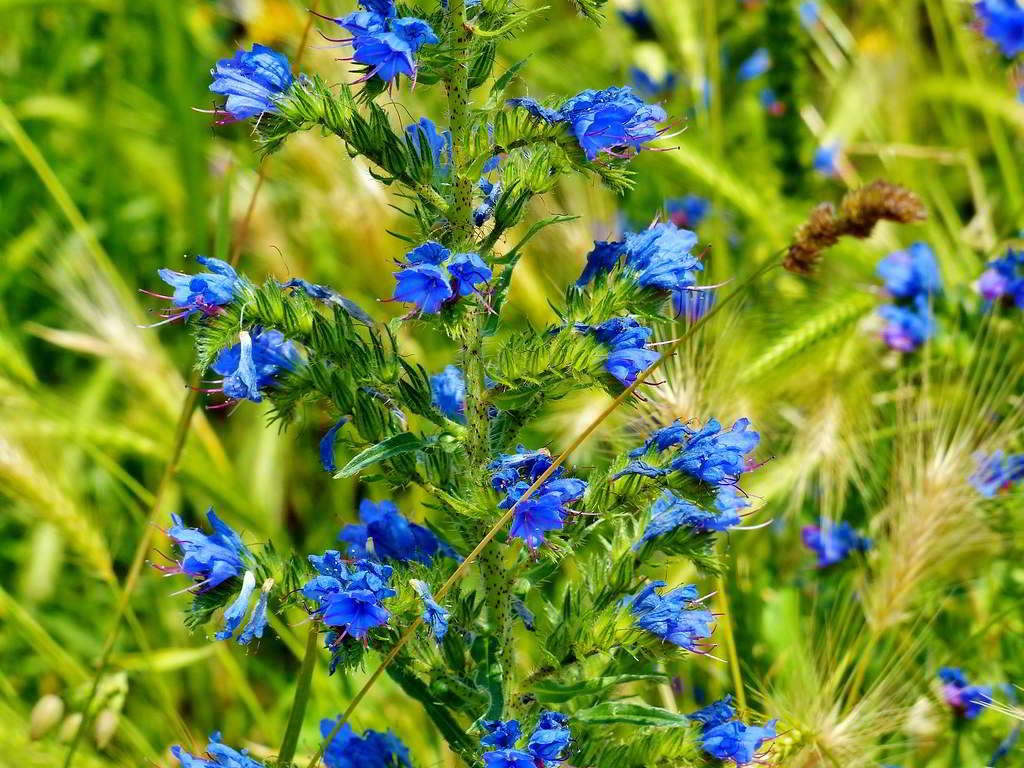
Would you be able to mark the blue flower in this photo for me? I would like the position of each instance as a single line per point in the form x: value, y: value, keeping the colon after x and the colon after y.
x: 809, y: 13
x: 448, y: 393
x: 258, y: 618
x: 205, y: 292
x: 693, y: 303
x: 966, y: 701
x: 622, y: 333
x: 434, y: 615
x: 492, y: 192
x: 394, y: 537
x: 501, y: 734
x: 639, y: 21
x: 372, y: 750
x: 328, y: 295
x: 736, y: 741
x: 469, y: 271
x: 909, y: 273
x: 760, y: 61
x: 612, y: 120
x: 252, y: 80
x: 509, y: 467
x: 907, y: 327
x: 550, y: 738
x: 386, y: 56
x: 525, y: 614
x: 661, y: 242
x: 714, y: 714
x: 221, y: 756
x: 833, y: 543
x: 253, y: 364
x: 349, y: 601
x: 672, y: 616
x: 327, y: 445
x: 415, y: 32
x: 626, y: 364
x: 669, y: 512
x: 424, y: 285
x: 385, y: 43
x: 235, y: 612
x: 363, y: 23
x: 509, y: 758
x: 717, y: 456
x: 601, y: 260
x: 664, y: 437
x: 537, y: 110
x: 539, y: 513
x: 1002, y: 21
x: 688, y: 211
x: 429, y: 253
x: 1004, y: 278
x: 826, y: 159
x: 385, y: 8
x: 211, y: 559
x: 996, y: 472
x: 438, y: 144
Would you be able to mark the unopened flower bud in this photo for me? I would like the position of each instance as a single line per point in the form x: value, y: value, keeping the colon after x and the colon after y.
x: 47, y: 712
x: 105, y: 727
x: 69, y: 727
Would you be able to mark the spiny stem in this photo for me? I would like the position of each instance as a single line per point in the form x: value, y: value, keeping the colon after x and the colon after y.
x: 505, y: 518
x: 170, y: 469
x: 301, y: 698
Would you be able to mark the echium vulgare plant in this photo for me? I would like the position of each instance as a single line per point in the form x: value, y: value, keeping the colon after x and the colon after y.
x: 506, y: 516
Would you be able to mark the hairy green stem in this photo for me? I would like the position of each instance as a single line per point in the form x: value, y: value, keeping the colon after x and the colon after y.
x: 299, y: 701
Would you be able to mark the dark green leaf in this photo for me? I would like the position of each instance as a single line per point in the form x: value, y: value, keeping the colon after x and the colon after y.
x: 548, y: 692
x: 625, y: 713
x: 403, y: 442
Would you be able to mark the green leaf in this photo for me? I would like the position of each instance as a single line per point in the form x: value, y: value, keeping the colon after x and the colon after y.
x: 403, y: 442
x: 503, y: 82
x: 621, y: 712
x: 548, y: 692
x: 163, y: 660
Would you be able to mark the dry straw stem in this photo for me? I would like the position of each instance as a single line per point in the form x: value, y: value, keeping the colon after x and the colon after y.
x: 859, y: 212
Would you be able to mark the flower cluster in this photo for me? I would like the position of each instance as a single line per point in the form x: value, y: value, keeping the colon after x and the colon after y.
x: 348, y: 597
x: 221, y: 756
x: 613, y: 120
x: 674, y: 617
x: 996, y: 472
x: 688, y: 211
x: 727, y: 739
x: 253, y: 363
x: 546, y: 509
x: 1003, y: 279
x: 205, y: 292
x: 253, y: 81
x: 371, y: 750
x: 547, y: 746
x: 710, y: 454
x: 393, y: 536
x: 910, y: 277
x: 669, y: 512
x: 626, y: 341
x: 1002, y: 22
x: 432, y: 276
x: 216, y: 559
x: 385, y: 42
x: 966, y: 701
x: 833, y: 543
x: 328, y: 295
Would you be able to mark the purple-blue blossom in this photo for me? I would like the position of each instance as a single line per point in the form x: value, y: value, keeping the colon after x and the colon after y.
x: 714, y: 714
x: 385, y: 43
x: 715, y: 455
x: 996, y: 472
x: 209, y: 558
x: 219, y: 754
x: 328, y: 295
x: 448, y: 393
x: 252, y: 364
x: 833, y: 542
x: 371, y: 750
x: 692, y: 304
x: 425, y: 285
x: 349, y: 600
x: 1003, y: 278
x: 1002, y: 22
x: 327, y: 445
x: 966, y: 701
x: 736, y: 741
x: 649, y: 86
x: 435, y: 616
x: 469, y: 271
x: 907, y: 327
x: 252, y: 80
x: 550, y: 739
x: 501, y: 734
x: 438, y: 145
x: 759, y: 62
x: 688, y: 211
x: 394, y: 537
x: 204, y: 292
x: 911, y: 272
x: 826, y: 159
x: 613, y: 120
x: 674, y: 616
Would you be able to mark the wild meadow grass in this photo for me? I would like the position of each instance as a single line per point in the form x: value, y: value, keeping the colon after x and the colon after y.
x: 108, y: 173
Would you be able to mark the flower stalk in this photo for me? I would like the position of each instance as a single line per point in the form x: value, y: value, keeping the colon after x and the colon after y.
x: 301, y: 698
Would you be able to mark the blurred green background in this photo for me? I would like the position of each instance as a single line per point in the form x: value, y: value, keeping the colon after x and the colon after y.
x: 107, y: 174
